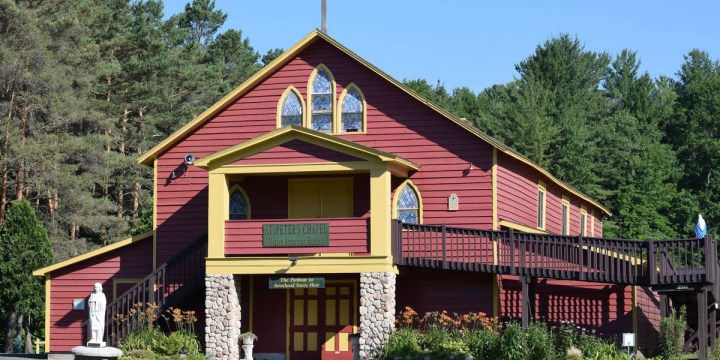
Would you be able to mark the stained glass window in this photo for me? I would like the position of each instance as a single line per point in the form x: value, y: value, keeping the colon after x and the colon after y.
x: 238, y: 205
x: 408, y: 206
x: 352, y: 112
x: 291, y: 110
x: 322, y: 102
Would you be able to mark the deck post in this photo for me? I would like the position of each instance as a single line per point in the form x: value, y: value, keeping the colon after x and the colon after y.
x: 651, y: 263
x: 444, y: 248
x: 664, y: 306
x: 528, y: 299
x: 511, y: 246
x: 581, y: 257
x: 702, y: 316
x: 712, y: 322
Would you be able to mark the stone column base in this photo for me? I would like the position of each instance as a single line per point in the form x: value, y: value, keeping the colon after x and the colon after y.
x: 222, y: 317
x: 377, y: 312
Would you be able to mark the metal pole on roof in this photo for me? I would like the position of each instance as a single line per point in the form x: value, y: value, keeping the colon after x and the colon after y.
x: 323, y: 16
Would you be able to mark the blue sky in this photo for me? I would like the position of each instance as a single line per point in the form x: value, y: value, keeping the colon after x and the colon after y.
x: 477, y: 43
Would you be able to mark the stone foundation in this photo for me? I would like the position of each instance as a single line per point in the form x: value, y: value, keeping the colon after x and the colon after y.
x: 222, y: 317
x: 377, y: 312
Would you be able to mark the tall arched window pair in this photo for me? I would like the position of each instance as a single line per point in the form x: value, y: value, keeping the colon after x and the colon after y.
x: 321, y: 102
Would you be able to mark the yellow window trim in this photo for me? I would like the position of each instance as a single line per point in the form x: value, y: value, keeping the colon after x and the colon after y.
x: 339, y: 112
x: 303, y: 44
x: 396, y: 198
x: 47, y: 311
x: 239, y: 188
x: 543, y: 188
x: 592, y: 223
x: 117, y: 281
x: 583, y: 227
x: 520, y: 227
x: 289, y: 90
x: 311, y: 78
x: 566, y: 220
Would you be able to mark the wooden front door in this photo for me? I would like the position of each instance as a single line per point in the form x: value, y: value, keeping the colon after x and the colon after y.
x: 322, y: 320
x: 320, y: 198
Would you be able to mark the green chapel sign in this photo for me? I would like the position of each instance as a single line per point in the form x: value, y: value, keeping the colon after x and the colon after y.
x: 296, y: 235
x: 297, y: 283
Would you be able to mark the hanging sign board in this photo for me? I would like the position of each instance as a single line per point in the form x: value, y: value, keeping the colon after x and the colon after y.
x: 297, y: 283
x: 296, y: 235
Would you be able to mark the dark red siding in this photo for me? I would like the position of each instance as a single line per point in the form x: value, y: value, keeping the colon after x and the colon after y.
x: 649, y: 318
x: 460, y: 292
x: 605, y: 308
x: 396, y: 122
x: 295, y: 152
x: 245, y: 237
x: 517, y: 192
x: 76, y: 282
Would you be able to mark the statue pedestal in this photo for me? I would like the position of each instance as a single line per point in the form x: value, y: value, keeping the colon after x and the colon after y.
x: 96, y: 352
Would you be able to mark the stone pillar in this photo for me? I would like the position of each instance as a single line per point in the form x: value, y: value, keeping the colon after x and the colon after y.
x: 222, y: 317
x: 377, y: 312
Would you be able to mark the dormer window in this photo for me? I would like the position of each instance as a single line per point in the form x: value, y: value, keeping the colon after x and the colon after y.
x: 352, y: 106
x: 290, y: 108
x: 321, y: 99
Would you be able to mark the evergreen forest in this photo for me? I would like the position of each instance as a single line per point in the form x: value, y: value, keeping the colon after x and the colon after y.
x: 86, y: 86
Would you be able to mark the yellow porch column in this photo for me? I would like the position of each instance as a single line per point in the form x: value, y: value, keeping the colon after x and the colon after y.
x: 218, y: 212
x: 380, y: 211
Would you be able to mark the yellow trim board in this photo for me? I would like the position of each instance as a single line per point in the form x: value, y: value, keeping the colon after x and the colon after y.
x: 295, y: 50
x: 494, y: 191
x: 305, y: 265
x: 122, y: 243
x: 520, y: 227
x: 47, y: 311
x: 294, y: 132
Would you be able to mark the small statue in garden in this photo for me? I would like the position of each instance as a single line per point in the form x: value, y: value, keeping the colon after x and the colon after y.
x: 97, y: 304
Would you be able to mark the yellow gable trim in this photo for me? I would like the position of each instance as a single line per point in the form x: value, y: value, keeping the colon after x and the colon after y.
x: 105, y: 249
x: 292, y: 132
x: 261, y: 75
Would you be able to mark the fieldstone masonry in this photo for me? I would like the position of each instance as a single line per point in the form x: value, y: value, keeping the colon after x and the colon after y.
x: 222, y: 317
x: 377, y: 312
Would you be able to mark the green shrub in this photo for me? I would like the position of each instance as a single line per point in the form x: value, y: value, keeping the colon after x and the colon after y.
x: 483, y: 344
x: 672, y: 335
x: 144, y: 339
x: 540, y: 342
x: 455, y: 347
x: 403, y: 343
x: 513, y: 345
x: 178, y: 342
x: 594, y: 348
x: 565, y: 338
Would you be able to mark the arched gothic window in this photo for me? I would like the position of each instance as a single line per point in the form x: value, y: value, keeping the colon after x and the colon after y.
x: 290, y: 109
x: 239, y: 204
x: 352, y: 106
x: 408, y: 204
x: 321, y: 99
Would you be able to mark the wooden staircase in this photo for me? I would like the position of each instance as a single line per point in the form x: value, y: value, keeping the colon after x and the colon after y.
x: 170, y: 284
x: 684, y: 271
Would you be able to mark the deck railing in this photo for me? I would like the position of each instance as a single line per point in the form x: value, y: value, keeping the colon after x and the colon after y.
x: 166, y: 286
x: 556, y: 256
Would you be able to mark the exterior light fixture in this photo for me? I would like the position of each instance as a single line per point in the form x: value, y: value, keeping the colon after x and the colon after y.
x: 293, y: 260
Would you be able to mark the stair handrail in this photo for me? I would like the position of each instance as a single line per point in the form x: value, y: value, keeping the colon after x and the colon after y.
x: 150, y: 289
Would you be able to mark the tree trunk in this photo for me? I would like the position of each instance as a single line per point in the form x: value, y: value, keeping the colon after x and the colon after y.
x: 10, y: 327
x: 73, y: 233
x: 121, y: 199
x: 28, y: 337
x: 136, y: 200
x: 21, y: 167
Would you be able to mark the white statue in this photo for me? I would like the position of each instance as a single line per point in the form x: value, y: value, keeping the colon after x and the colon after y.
x: 97, y: 304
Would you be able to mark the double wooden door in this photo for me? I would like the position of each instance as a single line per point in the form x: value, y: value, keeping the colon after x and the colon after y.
x: 321, y: 321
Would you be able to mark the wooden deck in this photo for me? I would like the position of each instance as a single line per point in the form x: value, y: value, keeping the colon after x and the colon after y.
x: 684, y: 270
